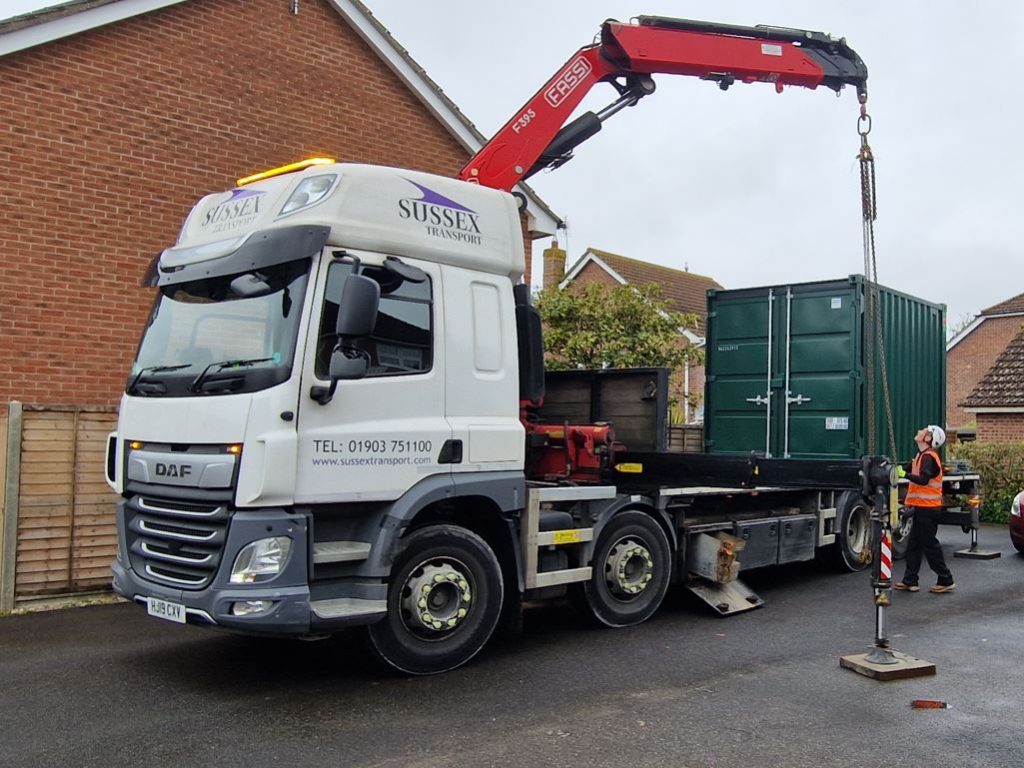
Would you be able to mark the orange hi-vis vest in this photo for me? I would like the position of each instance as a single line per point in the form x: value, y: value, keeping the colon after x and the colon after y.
x: 925, y: 495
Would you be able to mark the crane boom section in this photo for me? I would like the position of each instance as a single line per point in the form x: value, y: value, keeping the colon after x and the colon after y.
x: 626, y: 56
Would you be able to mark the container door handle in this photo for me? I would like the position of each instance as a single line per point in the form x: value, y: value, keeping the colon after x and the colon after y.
x: 758, y: 400
x: 799, y: 399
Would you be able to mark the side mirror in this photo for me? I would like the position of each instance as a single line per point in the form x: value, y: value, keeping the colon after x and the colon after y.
x: 357, y: 311
x: 357, y: 315
x: 346, y: 365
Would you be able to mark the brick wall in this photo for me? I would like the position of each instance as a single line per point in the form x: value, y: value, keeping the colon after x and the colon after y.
x: 1000, y: 427
x: 592, y: 273
x: 110, y: 136
x: 969, y: 361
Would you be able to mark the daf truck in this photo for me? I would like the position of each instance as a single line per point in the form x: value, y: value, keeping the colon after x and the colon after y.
x: 335, y: 417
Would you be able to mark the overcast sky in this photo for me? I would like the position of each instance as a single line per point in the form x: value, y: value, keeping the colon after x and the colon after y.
x: 754, y: 188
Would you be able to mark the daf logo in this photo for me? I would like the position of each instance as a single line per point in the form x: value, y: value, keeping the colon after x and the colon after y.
x: 173, y: 470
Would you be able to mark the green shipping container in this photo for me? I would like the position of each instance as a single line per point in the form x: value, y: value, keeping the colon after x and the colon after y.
x: 787, y: 370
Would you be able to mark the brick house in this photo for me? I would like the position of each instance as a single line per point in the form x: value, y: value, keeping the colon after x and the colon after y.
x: 683, y: 290
x: 997, y: 402
x: 118, y: 116
x: 971, y: 353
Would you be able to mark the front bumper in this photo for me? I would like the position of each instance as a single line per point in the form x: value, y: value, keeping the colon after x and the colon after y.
x: 293, y: 610
x: 289, y: 615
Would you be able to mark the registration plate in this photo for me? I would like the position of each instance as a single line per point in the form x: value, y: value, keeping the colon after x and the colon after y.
x: 163, y: 609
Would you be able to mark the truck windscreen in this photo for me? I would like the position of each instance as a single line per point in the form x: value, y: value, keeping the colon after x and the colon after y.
x: 240, y: 329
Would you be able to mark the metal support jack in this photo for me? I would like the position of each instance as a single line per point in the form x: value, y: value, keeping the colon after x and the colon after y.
x: 973, y: 552
x: 883, y: 662
x: 881, y: 582
x: 714, y: 565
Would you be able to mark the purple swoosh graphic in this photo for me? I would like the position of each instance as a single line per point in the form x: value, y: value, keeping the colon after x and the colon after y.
x: 430, y: 196
x: 238, y: 194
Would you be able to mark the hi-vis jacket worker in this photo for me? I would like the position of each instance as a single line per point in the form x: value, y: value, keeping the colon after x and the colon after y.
x: 924, y: 499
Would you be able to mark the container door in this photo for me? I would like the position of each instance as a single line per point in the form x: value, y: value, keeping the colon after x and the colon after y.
x: 739, y: 393
x: 821, y: 379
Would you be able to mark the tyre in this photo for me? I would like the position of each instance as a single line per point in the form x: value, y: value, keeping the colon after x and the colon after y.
x: 901, y: 536
x: 443, y: 602
x: 853, y: 548
x: 632, y: 567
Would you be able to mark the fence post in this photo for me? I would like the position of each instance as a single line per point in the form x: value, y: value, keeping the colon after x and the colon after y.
x: 9, y: 534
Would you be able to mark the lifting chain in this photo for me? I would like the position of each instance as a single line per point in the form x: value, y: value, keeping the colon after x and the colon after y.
x: 869, y: 209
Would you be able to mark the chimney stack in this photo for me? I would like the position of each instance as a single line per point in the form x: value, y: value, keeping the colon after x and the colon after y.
x: 554, y: 265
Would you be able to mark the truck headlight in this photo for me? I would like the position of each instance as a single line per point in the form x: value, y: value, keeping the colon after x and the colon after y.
x: 309, y: 192
x: 261, y: 560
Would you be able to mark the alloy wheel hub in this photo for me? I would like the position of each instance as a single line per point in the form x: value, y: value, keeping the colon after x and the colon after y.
x: 437, y: 598
x: 630, y: 568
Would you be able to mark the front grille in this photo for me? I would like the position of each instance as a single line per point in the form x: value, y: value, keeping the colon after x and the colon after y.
x: 175, y: 543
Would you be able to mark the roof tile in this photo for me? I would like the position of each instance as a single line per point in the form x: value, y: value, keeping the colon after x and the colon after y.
x: 1003, y: 385
x: 1016, y: 304
x: 684, y: 291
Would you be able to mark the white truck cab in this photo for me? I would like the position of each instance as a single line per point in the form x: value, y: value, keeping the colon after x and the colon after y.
x: 232, y: 434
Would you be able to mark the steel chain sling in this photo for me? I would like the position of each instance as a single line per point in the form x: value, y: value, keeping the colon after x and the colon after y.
x: 869, y: 208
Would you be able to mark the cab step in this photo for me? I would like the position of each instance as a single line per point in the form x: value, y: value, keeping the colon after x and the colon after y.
x: 348, y: 608
x: 340, y: 551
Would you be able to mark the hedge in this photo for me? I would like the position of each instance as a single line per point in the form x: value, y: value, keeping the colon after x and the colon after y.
x: 1001, y: 466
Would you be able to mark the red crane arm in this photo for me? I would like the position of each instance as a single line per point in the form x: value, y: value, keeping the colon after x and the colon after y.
x: 626, y: 57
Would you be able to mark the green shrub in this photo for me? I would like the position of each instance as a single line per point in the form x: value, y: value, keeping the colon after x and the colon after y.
x: 1001, y: 466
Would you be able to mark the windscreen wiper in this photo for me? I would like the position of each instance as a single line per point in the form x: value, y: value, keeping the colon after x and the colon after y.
x: 154, y: 369
x: 197, y: 382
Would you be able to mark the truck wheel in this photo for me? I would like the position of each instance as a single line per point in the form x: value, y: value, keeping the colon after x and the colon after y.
x: 852, y: 550
x: 632, y: 565
x: 444, y: 601
x: 901, y: 537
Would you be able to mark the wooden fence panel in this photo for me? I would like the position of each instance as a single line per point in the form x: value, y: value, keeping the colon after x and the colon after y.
x: 94, y: 532
x: 66, y: 529
x: 45, y: 503
x: 688, y: 438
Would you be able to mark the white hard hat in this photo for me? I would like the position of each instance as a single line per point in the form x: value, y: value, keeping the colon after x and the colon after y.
x: 938, y: 435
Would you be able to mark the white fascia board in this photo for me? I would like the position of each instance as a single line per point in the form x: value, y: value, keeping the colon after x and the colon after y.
x: 590, y: 258
x: 994, y: 409
x: 542, y: 222
x: 965, y: 332
x: 73, y: 23
x: 978, y: 321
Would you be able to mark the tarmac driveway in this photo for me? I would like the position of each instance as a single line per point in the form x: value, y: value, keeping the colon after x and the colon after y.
x: 108, y: 686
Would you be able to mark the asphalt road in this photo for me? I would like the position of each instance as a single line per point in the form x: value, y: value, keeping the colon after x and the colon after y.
x: 108, y: 686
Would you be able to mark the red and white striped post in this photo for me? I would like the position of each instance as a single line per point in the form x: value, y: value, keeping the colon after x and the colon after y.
x: 885, y: 560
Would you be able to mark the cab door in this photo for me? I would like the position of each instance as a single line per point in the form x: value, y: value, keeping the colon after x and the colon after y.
x: 379, y: 435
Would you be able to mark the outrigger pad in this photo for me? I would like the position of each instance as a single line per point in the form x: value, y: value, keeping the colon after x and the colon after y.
x: 903, y: 666
x: 977, y: 554
x: 726, y: 599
